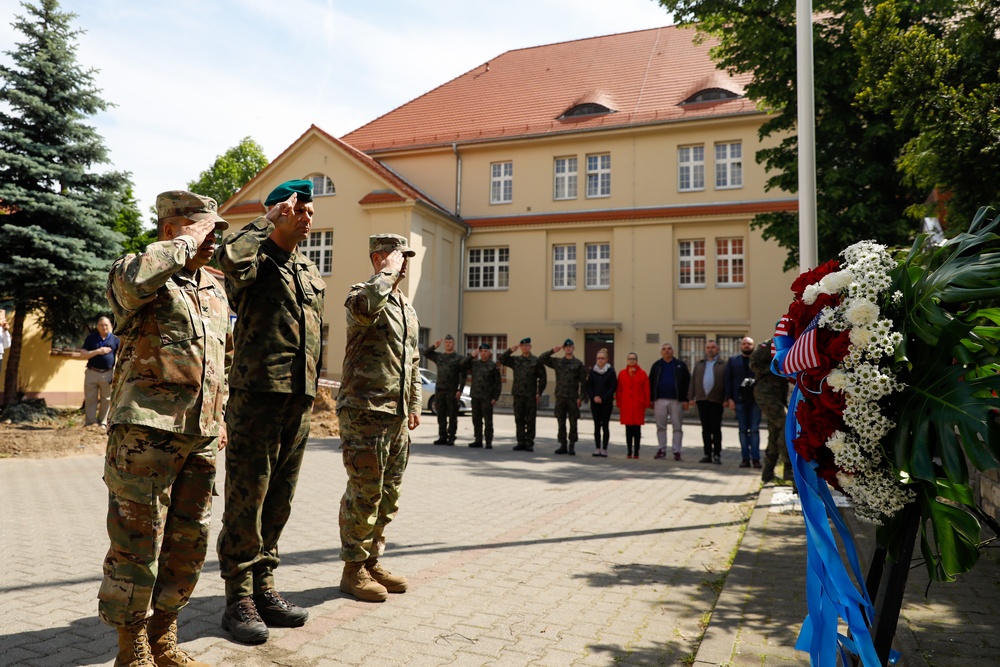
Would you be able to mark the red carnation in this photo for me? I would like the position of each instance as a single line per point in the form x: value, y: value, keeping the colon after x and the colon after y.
x: 813, y: 276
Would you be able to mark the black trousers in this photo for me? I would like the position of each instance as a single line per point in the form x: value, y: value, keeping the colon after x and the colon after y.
x: 710, y: 414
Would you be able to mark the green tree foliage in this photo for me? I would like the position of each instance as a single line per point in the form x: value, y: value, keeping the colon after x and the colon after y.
x: 859, y: 192
x: 128, y: 223
x: 230, y: 171
x: 56, y: 235
x: 940, y: 82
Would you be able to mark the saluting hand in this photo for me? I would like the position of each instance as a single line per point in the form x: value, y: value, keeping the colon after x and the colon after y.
x: 199, y: 231
x: 282, y: 208
x: 394, y: 262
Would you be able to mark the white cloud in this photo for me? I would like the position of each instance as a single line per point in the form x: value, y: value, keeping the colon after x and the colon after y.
x: 191, y: 78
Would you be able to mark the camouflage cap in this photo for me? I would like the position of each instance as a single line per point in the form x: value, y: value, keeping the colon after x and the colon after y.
x: 388, y: 243
x: 180, y: 203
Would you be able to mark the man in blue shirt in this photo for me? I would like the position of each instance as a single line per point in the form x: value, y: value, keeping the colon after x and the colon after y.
x: 669, y: 380
x: 99, y: 349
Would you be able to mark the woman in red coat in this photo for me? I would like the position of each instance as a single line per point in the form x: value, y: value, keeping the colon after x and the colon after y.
x: 632, y: 397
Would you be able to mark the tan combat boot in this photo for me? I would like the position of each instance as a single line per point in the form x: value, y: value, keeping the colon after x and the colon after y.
x: 133, y: 646
x: 162, y: 628
x: 357, y: 582
x: 394, y: 583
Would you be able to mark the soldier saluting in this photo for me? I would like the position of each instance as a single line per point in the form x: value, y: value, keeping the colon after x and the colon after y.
x: 571, y: 388
x: 529, y: 383
x: 485, y: 392
x: 447, y: 388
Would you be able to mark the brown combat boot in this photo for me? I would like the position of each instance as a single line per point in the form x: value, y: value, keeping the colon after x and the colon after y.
x: 133, y: 646
x: 394, y: 583
x: 357, y: 582
x: 162, y: 628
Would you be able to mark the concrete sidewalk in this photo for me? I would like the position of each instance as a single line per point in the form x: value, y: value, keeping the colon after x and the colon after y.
x: 513, y: 559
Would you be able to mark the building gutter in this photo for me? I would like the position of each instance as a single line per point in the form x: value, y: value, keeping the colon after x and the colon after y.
x: 461, y: 250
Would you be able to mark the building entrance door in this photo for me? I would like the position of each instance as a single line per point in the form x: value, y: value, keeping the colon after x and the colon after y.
x: 595, y: 340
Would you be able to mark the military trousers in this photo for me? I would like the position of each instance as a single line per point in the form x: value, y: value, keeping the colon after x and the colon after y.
x: 159, y: 512
x: 482, y: 419
x: 446, y: 406
x: 774, y: 413
x: 376, y: 448
x: 567, y: 409
x: 267, y: 440
x: 525, y: 409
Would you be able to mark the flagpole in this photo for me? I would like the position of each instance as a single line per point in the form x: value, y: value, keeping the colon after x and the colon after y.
x: 808, y: 250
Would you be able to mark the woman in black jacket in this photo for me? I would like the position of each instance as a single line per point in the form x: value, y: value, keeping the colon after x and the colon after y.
x: 601, y: 385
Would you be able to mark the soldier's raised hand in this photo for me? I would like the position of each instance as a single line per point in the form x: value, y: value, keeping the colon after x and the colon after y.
x: 556, y: 349
x: 199, y: 231
x: 393, y: 262
x: 437, y: 343
x: 282, y: 208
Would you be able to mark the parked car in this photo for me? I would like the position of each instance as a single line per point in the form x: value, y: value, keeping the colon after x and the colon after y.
x: 428, y: 379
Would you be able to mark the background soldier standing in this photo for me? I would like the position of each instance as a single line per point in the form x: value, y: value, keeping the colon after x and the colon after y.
x: 771, y: 393
x: 277, y: 294
x: 571, y: 388
x: 168, y: 398
x: 485, y: 392
x: 379, y: 400
x: 447, y: 388
x: 529, y: 383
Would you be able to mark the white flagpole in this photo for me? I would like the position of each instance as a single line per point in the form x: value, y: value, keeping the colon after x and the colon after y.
x: 808, y: 249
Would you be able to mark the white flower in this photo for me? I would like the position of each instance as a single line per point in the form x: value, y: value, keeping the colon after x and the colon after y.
x: 861, y: 312
x: 810, y: 293
x: 835, y: 282
x: 837, y: 379
x: 861, y: 338
x: 836, y: 442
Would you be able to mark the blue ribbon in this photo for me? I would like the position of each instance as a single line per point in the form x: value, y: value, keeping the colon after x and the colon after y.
x: 831, y: 593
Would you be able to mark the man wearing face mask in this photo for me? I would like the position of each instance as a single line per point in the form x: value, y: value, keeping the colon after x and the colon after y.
x: 277, y: 293
x: 378, y: 404
x: 167, y: 400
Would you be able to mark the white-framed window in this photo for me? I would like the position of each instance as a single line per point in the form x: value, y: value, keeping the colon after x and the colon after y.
x: 501, y: 182
x: 691, y: 263
x: 564, y: 266
x: 565, y: 178
x: 729, y: 165
x: 599, y: 175
x: 690, y: 168
x: 729, y: 262
x: 322, y: 185
x: 598, y: 266
x: 489, y: 269
x: 318, y: 247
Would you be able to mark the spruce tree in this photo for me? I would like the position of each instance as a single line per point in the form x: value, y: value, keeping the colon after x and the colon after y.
x: 56, y: 213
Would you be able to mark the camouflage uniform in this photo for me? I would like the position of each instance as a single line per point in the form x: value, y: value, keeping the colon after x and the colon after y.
x: 446, y: 386
x: 571, y: 387
x: 168, y: 397
x: 380, y: 387
x: 278, y: 299
x: 484, y: 391
x: 529, y: 382
x: 771, y: 393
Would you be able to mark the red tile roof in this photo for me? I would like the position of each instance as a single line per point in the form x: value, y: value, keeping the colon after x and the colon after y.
x: 644, y: 76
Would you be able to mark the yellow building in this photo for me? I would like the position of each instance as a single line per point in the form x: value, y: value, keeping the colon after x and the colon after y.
x: 594, y: 190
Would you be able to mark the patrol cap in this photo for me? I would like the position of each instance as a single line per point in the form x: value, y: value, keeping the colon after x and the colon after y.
x: 525, y: 341
x: 388, y: 243
x: 568, y: 343
x: 484, y: 346
x: 182, y: 203
x: 449, y: 337
x: 302, y: 188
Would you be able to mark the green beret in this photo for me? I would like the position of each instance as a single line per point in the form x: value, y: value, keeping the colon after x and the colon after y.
x: 484, y: 346
x: 388, y: 243
x: 525, y: 341
x: 449, y: 337
x: 302, y: 188
x: 568, y: 343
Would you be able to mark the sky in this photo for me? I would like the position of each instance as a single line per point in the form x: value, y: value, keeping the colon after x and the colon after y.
x: 190, y: 78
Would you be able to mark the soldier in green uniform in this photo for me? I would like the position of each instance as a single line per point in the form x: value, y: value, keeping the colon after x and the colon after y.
x: 378, y: 404
x: 771, y: 393
x: 277, y: 293
x: 571, y: 388
x: 485, y: 391
x: 447, y: 388
x: 529, y: 383
x: 165, y: 427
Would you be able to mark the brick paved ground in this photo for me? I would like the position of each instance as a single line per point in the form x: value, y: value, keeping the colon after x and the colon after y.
x: 513, y: 559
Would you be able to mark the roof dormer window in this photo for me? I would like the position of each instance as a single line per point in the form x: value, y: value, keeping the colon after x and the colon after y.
x: 587, y: 109
x: 711, y: 95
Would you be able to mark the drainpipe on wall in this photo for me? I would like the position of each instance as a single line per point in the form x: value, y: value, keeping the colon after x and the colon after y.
x: 461, y: 250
